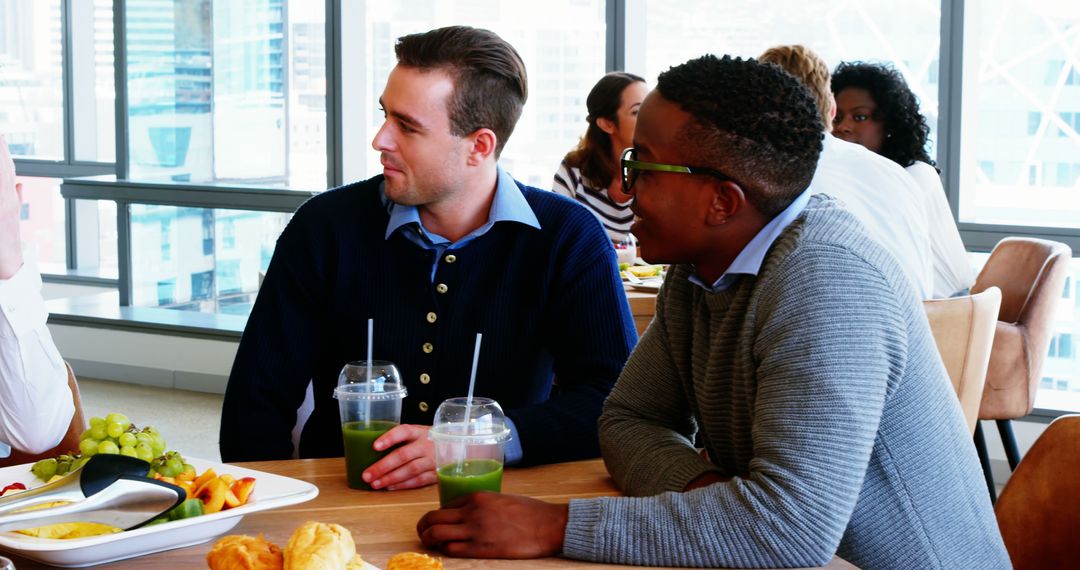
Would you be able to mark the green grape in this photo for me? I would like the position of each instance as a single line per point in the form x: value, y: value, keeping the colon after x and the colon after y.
x: 95, y: 421
x: 85, y: 434
x: 158, y: 444
x: 151, y: 430
x: 108, y: 446
x: 88, y: 447
x: 44, y: 469
x: 127, y: 439
x: 99, y: 432
x: 128, y: 450
x: 118, y: 418
x: 79, y: 462
x: 143, y: 451
x: 144, y: 437
x: 173, y: 467
x: 114, y: 429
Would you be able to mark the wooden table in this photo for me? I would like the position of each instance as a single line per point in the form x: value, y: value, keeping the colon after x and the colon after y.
x: 642, y: 307
x: 384, y: 523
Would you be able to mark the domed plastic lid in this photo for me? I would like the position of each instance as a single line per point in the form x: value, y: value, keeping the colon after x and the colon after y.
x: 379, y: 382
x: 374, y: 391
x: 486, y: 421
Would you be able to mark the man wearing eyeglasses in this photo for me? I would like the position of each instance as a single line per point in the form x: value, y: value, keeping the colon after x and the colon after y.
x: 786, y: 341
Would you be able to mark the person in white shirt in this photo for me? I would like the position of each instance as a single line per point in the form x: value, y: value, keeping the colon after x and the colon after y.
x: 35, y: 403
x: 877, y: 191
x: 876, y: 108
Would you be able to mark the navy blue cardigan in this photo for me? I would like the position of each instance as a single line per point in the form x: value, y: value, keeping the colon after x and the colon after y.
x: 549, y: 303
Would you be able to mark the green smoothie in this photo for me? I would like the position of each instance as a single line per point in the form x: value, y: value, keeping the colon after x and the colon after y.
x: 359, y: 453
x: 457, y: 479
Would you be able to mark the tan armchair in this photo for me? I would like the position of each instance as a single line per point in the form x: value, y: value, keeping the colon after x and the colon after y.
x: 1030, y: 273
x: 1039, y: 506
x: 963, y: 329
x: 71, y: 438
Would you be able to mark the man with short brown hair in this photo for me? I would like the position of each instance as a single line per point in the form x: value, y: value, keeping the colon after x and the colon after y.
x: 443, y: 245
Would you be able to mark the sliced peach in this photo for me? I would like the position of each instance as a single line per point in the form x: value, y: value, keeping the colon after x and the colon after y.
x: 204, y: 478
x: 213, y: 495
x: 201, y: 481
x: 228, y: 479
x: 230, y: 500
x: 242, y: 488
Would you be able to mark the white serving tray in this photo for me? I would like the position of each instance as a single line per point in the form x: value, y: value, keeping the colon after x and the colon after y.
x: 271, y: 491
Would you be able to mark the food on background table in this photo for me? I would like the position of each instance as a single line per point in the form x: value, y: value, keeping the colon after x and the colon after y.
x: 313, y: 546
x: 413, y: 561
x: 242, y: 552
x: 644, y: 270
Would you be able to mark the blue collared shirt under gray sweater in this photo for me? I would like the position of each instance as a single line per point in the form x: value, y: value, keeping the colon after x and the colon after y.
x: 816, y: 386
x: 548, y: 300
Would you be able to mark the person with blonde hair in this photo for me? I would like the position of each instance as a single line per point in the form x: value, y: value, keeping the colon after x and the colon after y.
x: 879, y: 193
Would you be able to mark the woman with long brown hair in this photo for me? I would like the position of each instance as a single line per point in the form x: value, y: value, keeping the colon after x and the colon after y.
x: 590, y: 172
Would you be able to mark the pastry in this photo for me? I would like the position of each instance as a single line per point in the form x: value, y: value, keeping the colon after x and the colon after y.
x: 242, y: 552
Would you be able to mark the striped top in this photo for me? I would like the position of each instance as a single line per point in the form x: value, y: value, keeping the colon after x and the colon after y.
x: 816, y: 387
x: 616, y: 218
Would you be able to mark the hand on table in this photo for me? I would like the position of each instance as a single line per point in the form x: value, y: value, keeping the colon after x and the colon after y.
x: 11, y: 258
x: 410, y: 465
x: 492, y: 525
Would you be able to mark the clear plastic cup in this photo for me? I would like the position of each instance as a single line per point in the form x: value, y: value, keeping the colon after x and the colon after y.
x: 469, y: 442
x: 369, y: 408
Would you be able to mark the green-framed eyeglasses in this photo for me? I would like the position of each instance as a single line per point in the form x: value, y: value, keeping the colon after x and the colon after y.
x: 631, y: 166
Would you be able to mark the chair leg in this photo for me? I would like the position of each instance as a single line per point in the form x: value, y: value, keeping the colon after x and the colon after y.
x: 1008, y: 441
x: 984, y: 460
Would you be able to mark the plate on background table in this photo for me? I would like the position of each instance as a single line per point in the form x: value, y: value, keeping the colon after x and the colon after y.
x: 649, y: 285
x: 271, y: 491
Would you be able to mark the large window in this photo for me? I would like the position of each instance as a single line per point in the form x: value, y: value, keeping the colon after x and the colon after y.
x: 31, y: 78
x: 227, y: 91
x: 200, y: 259
x: 1026, y: 125
x: 561, y: 42
x: 228, y: 107
x: 662, y: 33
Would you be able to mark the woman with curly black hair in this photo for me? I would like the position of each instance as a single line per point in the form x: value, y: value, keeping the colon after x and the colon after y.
x: 875, y: 108
x: 590, y: 173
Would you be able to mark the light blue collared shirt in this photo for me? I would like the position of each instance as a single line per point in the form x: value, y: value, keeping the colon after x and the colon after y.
x: 749, y: 260
x: 508, y: 205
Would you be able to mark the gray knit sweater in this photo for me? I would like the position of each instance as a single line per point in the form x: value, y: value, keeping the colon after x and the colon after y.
x: 817, y: 387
